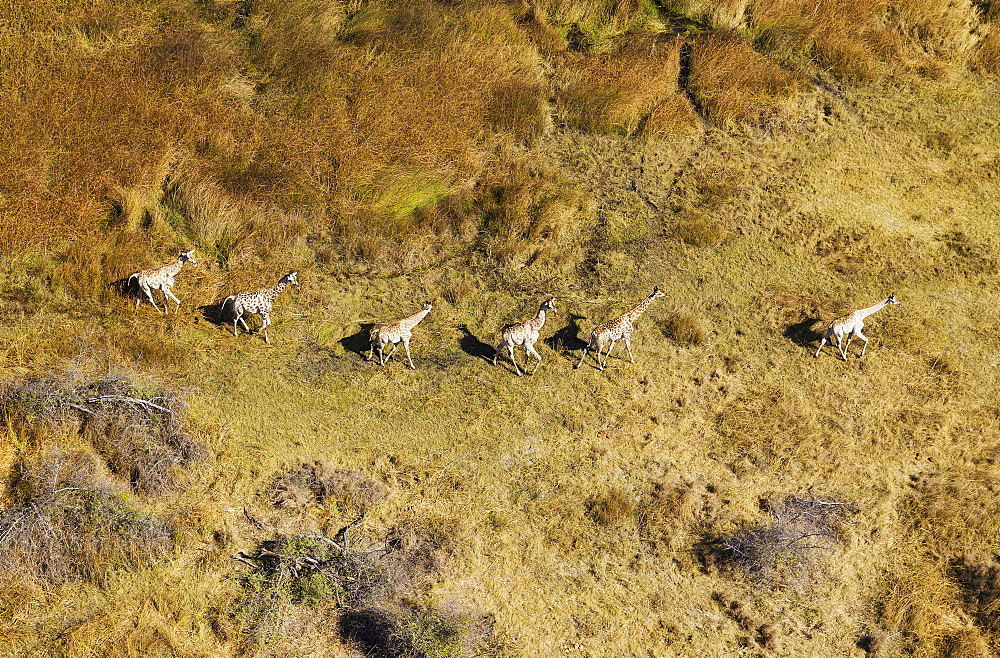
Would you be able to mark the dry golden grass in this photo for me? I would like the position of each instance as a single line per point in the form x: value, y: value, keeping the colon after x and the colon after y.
x: 732, y: 83
x: 486, y: 156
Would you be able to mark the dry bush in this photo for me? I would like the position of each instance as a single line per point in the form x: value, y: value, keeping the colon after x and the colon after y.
x: 320, y: 483
x: 617, y: 92
x: 786, y: 550
x: 373, y: 589
x: 611, y: 507
x: 923, y: 613
x: 732, y: 83
x: 721, y: 15
x: 69, y: 523
x: 698, y: 229
x: 139, y: 436
x: 684, y: 328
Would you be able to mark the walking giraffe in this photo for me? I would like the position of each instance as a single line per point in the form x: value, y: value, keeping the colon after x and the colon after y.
x: 163, y: 279
x: 524, y: 333
x: 850, y: 325
x: 400, y: 332
x: 617, y: 329
x: 248, y: 303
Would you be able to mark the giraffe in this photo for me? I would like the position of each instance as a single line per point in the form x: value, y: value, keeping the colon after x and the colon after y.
x: 248, y: 303
x: 400, y: 332
x: 524, y: 333
x: 851, y: 325
x: 161, y: 278
x: 617, y: 329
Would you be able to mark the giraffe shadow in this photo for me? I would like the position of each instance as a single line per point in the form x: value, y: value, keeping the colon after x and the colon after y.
x: 474, y: 347
x: 219, y: 313
x: 360, y: 342
x: 126, y: 288
x: 567, y: 339
x: 807, y: 331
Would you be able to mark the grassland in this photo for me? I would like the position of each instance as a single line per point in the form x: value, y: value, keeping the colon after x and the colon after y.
x: 770, y: 165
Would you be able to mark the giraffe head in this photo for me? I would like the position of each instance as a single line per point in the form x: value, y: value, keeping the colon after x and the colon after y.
x: 892, y: 299
x: 657, y: 293
x: 549, y: 305
x: 188, y: 257
x: 290, y: 278
x: 426, y: 306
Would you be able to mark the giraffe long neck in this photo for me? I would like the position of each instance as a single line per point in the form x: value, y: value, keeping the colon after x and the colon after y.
x: 411, y: 322
x: 865, y: 312
x: 173, y: 268
x: 634, y: 314
x: 276, y: 290
x: 539, y: 319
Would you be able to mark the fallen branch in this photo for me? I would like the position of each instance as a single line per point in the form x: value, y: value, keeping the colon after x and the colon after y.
x: 122, y: 398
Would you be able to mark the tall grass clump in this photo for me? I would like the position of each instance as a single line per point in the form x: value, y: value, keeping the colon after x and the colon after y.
x: 732, y: 83
x: 617, y: 92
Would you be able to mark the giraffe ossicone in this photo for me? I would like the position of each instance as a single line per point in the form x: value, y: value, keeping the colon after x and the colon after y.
x: 850, y: 325
x: 619, y: 328
x: 162, y: 279
x: 524, y: 333
x: 398, y: 332
x: 260, y: 302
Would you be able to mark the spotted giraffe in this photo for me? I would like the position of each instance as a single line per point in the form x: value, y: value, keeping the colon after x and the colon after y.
x: 400, y: 332
x: 248, y: 303
x: 617, y: 329
x: 850, y: 325
x: 524, y: 333
x: 161, y: 278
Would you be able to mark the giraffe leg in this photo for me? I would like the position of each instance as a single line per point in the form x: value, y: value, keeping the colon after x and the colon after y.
x: 498, y: 350
x: 841, y: 347
x: 389, y: 355
x: 166, y: 293
x: 821, y: 344
x: 628, y: 346
x: 510, y: 351
x: 530, y: 349
x: 246, y: 327
x: 864, y: 338
x: 608, y: 354
x: 406, y: 346
x: 585, y: 350
x: 149, y: 295
x: 266, y: 317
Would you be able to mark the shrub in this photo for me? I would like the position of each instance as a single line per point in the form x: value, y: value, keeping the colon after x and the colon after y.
x: 732, y: 83
x: 319, y: 483
x: 617, y: 92
x: 139, y: 437
x: 70, y: 524
x: 786, y: 550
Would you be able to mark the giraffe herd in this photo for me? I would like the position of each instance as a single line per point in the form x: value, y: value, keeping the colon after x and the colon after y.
x: 524, y: 334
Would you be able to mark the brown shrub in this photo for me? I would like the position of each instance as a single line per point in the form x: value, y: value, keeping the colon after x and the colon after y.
x: 139, y: 437
x: 698, y: 229
x: 320, y: 483
x: 786, y: 550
